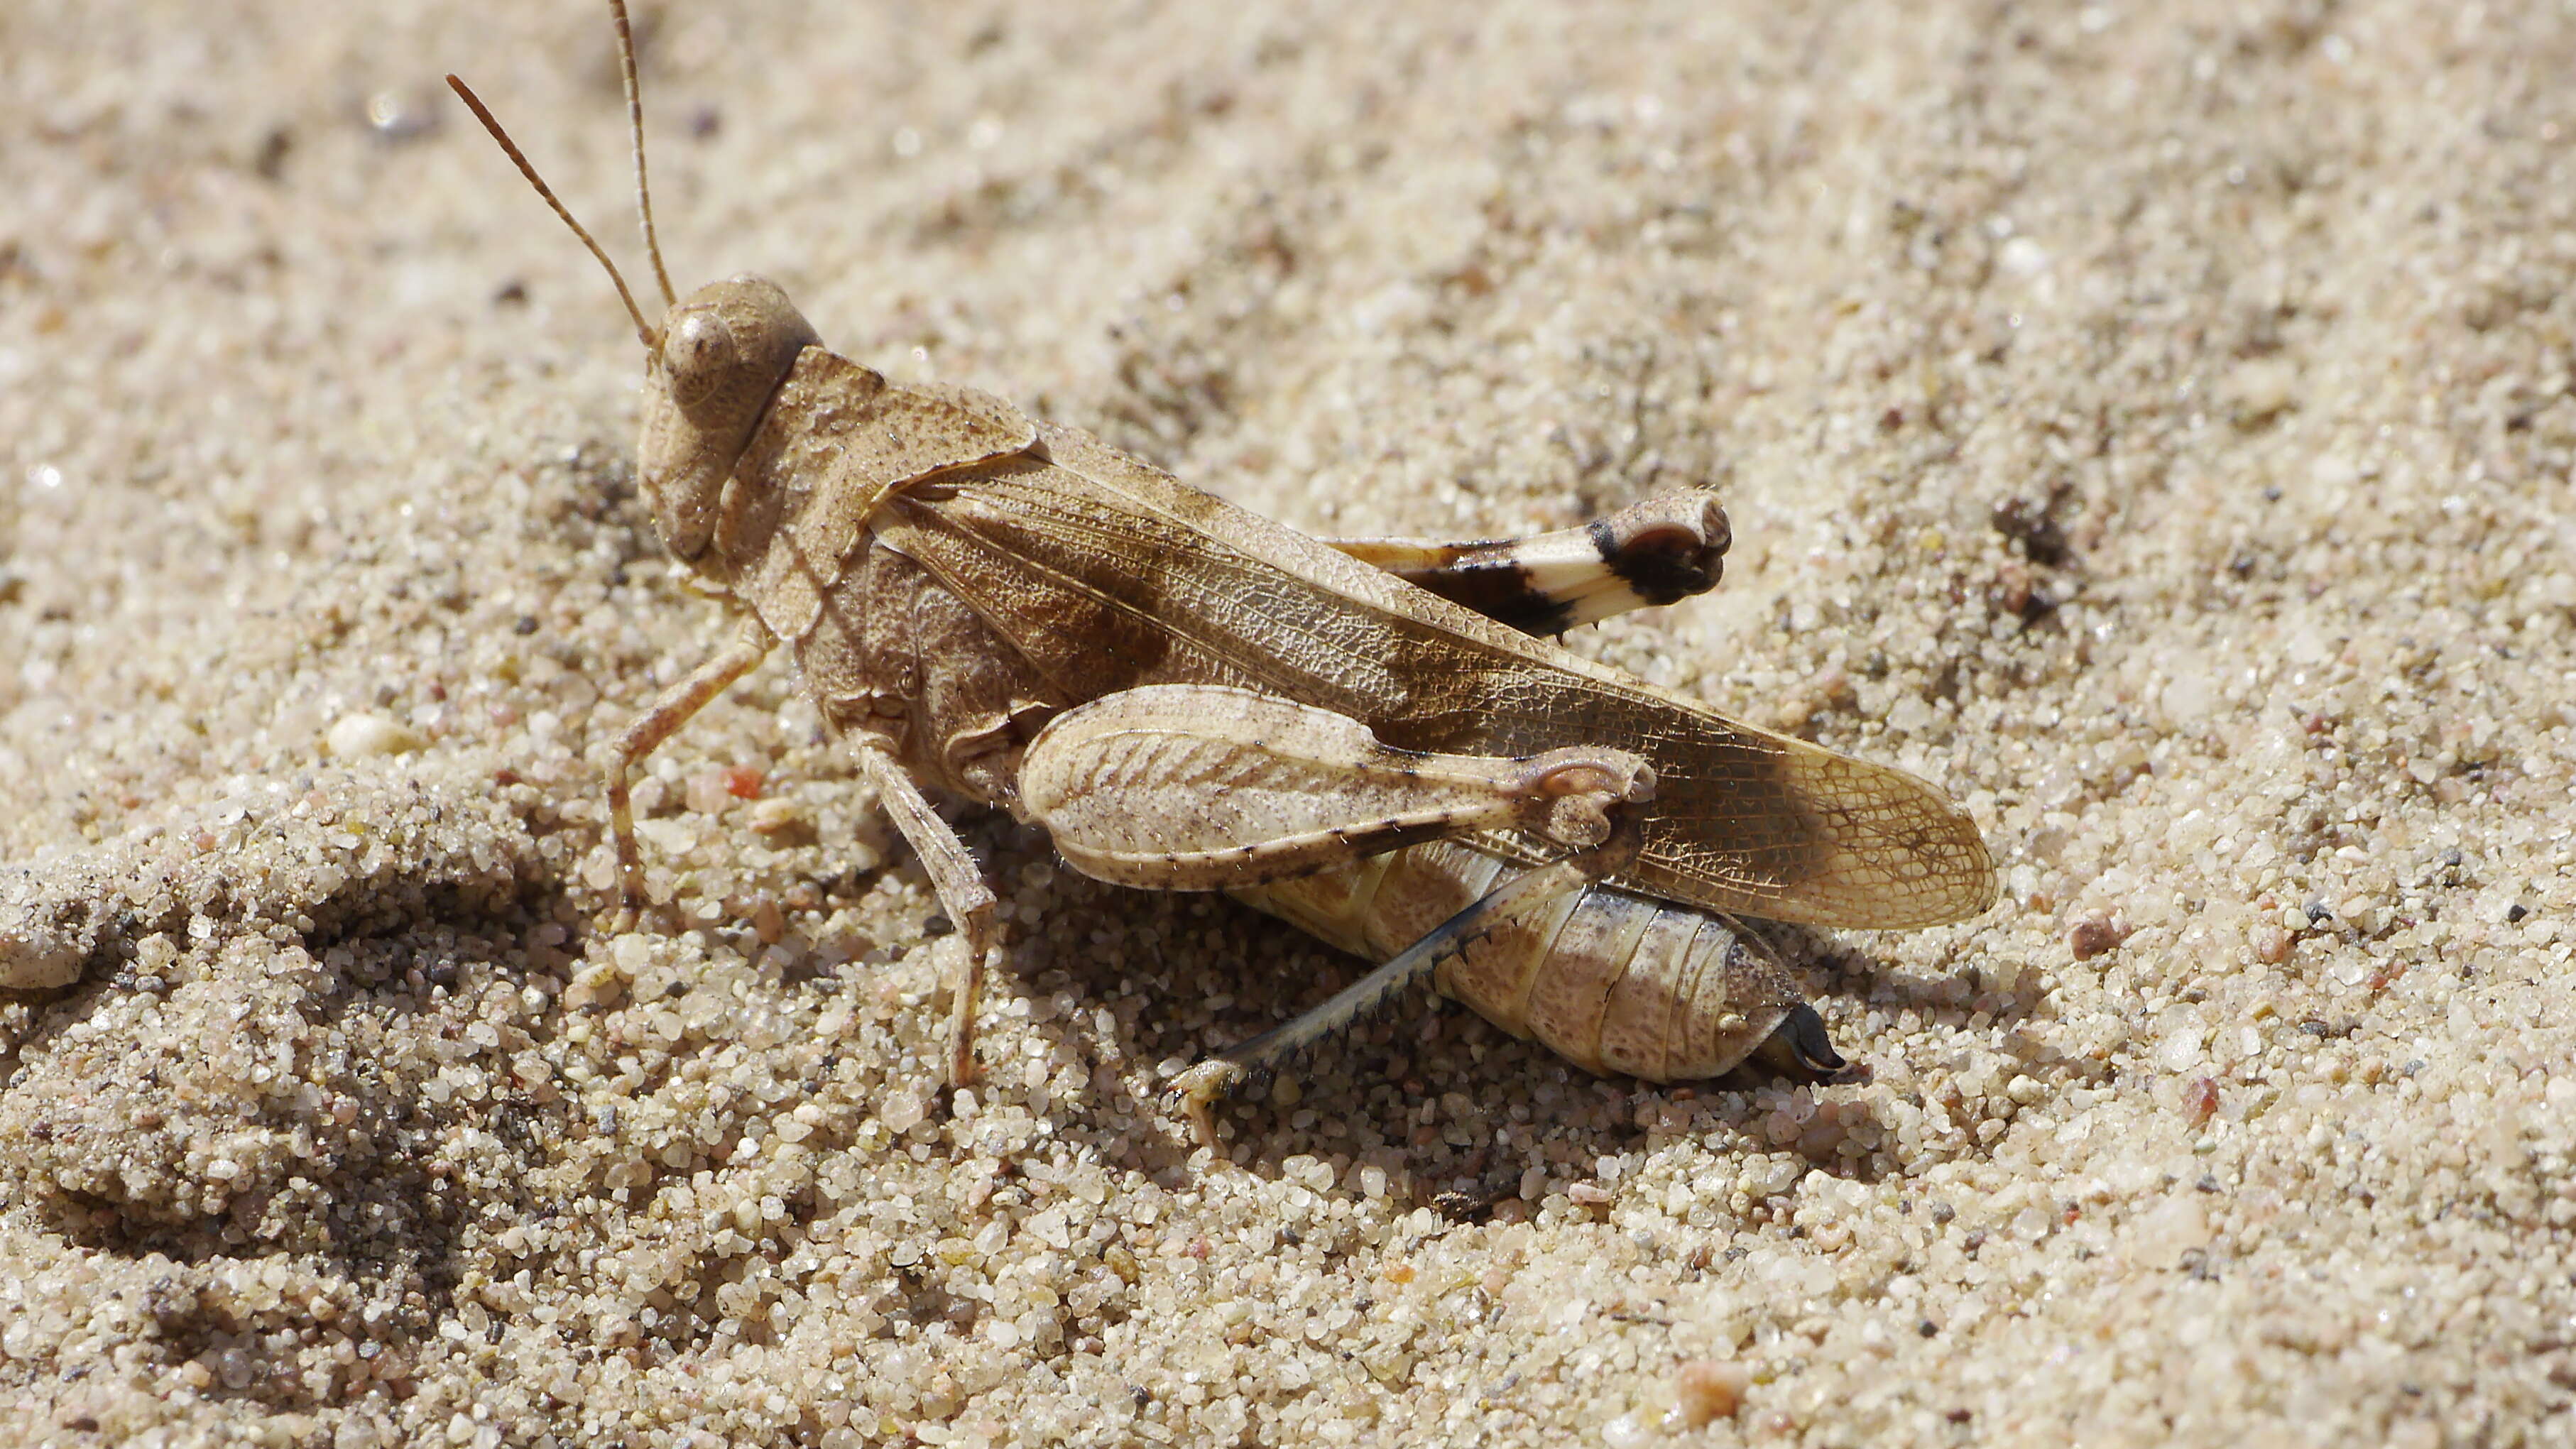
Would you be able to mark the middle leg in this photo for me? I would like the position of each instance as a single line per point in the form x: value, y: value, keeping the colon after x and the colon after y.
x: 958, y: 882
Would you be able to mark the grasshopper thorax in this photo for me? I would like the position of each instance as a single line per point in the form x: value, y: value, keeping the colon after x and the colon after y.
x: 724, y: 350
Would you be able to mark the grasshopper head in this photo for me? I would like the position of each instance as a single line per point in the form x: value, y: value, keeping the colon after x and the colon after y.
x: 723, y: 352
x: 710, y: 368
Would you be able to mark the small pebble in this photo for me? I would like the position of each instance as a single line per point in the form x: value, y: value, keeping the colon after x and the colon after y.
x: 367, y: 736
x: 1709, y: 1389
x: 2096, y: 935
x: 777, y: 818
x: 705, y: 793
x: 2200, y: 1100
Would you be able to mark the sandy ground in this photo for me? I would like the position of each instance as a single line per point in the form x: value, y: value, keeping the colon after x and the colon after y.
x: 2154, y: 425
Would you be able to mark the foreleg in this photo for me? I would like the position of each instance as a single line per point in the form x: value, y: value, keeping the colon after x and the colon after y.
x: 672, y: 709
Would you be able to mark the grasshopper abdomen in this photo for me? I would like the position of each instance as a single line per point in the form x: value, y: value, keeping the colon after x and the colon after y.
x: 1615, y: 982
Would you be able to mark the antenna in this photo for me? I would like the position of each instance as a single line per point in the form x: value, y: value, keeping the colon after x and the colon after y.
x: 635, y: 123
x: 645, y: 330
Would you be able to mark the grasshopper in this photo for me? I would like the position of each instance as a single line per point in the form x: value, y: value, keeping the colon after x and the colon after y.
x: 1369, y: 738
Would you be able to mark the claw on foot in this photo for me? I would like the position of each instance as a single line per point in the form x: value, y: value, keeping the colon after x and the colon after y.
x: 1198, y: 1090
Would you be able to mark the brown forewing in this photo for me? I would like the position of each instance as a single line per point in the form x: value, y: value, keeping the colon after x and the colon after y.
x: 1106, y: 574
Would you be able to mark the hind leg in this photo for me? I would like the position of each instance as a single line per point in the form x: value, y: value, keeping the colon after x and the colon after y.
x: 1654, y: 551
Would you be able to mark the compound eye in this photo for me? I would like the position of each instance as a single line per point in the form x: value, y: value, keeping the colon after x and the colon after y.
x: 696, y: 353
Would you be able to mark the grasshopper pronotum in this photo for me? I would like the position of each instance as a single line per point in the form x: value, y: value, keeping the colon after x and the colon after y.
x: 1352, y: 735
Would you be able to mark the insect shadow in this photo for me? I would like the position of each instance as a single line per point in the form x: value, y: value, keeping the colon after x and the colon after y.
x: 1451, y: 1109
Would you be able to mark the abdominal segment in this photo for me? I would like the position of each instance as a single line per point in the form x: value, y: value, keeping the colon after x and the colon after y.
x: 1614, y: 982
